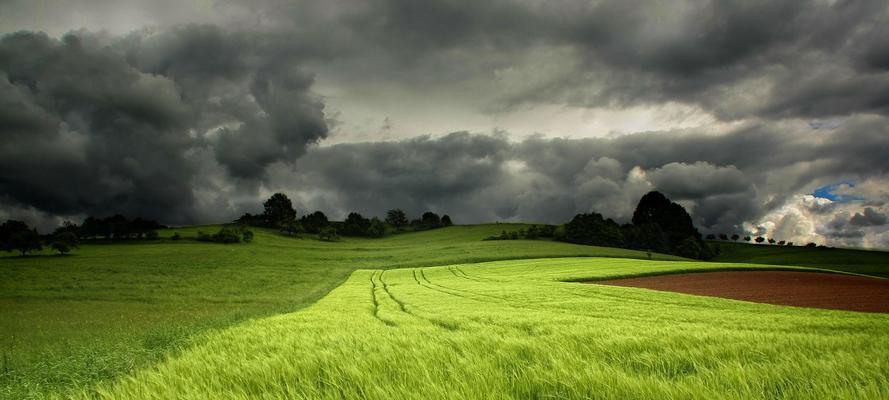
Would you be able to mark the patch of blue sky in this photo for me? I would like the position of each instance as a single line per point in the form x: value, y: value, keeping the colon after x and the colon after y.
x: 829, y: 192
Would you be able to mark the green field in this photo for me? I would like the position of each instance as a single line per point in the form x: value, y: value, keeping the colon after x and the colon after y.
x: 875, y: 263
x: 511, y: 329
x: 201, y: 320
x: 112, y: 308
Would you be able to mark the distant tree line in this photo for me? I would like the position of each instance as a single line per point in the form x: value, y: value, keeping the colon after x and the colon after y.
x: 18, y: 236
x: 759, y: 240
x: 278, y: 213
x: 658, y: 225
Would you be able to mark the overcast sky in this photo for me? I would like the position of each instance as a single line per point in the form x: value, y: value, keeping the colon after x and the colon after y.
x: 760, y: 117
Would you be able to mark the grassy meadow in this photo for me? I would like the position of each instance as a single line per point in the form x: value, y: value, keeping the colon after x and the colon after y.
x: 514, y: 329
x: 68, y: 322
x: 867, y: 262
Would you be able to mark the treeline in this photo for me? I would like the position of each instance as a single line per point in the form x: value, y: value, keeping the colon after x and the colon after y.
x: 278, y: 213
x: 759, y: 240
x: 658, y: 225
x: 18, y: 236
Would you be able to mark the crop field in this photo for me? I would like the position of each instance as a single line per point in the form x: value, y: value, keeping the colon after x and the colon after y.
x: 110, y: 309
x: 515, y: 329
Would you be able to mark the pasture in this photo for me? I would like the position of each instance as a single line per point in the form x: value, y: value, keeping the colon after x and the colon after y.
x: 111, y: 308
x: 514, y: 329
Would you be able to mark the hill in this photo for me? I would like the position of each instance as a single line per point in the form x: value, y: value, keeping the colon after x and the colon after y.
x: 110, y: 308
x: 514, y: 330
x: 867, y: 262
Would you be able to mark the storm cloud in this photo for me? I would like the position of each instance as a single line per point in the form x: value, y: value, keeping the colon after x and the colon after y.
x: 518, y: 110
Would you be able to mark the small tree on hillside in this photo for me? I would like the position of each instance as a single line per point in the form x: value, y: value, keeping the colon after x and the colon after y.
x: 735, y: 237
x: 760, y: 239
x: 430, y: 220
x: 25, y: 241
x: 376, y: 228
x: 396, y: 218
x: 446, y: 220
x: 63, y: 242
x: 746, y: 238
x: 771, y: 241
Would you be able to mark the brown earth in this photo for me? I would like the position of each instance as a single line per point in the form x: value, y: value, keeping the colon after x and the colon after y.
x: 801, y: 289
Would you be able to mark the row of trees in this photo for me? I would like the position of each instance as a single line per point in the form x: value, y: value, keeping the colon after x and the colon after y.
x: 278, y: 213
x: 116, y: 227
x: 758, y: 239
x: 658, y: 225
x: 18, y: 236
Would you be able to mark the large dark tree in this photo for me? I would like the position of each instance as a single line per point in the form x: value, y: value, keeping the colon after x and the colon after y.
x: 446, y: 220
x: 593, y: 229
x: 25, y: 241
x: 646, y: 237
x: 655, y: 208
x: 355, y: 225
x: 314, y: 222
x: 7, y: 230
x: 396, y: 218
x: 278, y: 209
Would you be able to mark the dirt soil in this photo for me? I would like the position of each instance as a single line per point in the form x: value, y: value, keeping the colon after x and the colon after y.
x: 801, y: 289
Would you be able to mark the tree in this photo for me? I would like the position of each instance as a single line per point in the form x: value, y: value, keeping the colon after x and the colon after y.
x: 396, y: 218
x: 655, y: 208
x: 723, y: 236
x: 646, y: 237
x: 771, y: 241
x: 446, y: 220
x: 376, y: 228
x: 593, y: 229
x: 430, y: 220
x: 278, y: 208
x: 689, y: 248
x: 25, y: 241
x: 811, y: 245
x: 746, y: 238
x: 711, y: 236
x: 759, y: 239
x: 63, y: 242
x: 314, y: 222
x: 355, y: 225
x: 7, y: 230
x: 735, y: 237
x: 781, y: 243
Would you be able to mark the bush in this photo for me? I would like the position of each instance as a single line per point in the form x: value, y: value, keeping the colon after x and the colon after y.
x: 227, y: 235
x: 377, y: 228
x: 176, y: 236
x: 328, y: 234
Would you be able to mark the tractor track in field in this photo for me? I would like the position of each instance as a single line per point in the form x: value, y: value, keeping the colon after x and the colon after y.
x: 438, y: 323
x: 376, y: 301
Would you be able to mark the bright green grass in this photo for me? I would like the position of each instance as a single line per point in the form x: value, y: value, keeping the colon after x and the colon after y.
x: 511, y: 329
x: 875, y: 263
x: 67, y: 322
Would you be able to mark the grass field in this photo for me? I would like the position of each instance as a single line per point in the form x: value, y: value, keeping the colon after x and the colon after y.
x: 512, y: 329
x: 68, y: 322
x: 874, y: 263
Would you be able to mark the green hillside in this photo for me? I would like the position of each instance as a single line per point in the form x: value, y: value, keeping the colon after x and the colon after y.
x: 512, y: 330
x: 874, y: 263
x: 110, y: 308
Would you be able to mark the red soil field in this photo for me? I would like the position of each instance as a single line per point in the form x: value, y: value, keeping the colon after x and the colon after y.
x: 801, y: 289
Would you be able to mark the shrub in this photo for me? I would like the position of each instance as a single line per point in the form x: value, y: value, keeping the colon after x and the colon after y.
x: 176, y: 236
x: 328, y: 234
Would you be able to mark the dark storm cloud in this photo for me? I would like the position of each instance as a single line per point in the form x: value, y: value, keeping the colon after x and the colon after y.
x: 869, y: 217
x: 725, y: 180
x: 97, y: 125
